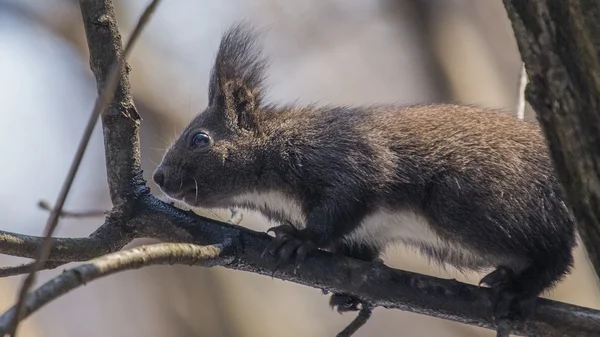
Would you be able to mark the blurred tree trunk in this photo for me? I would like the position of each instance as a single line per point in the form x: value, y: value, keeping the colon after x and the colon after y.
x: 560, y: 45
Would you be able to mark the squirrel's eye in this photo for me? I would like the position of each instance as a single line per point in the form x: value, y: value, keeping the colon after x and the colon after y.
x: 201, y: 139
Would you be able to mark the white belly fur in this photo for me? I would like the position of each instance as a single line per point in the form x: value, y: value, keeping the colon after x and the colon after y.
x: 390, y: 226
x: 376, y: 230
x: 275, y: 202
x: 386, y: 226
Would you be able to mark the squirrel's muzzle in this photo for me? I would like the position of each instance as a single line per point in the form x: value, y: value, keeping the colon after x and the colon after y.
x: 159, y: 177
x: 170, y: 182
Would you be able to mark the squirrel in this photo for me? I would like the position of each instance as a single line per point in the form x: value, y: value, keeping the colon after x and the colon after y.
x: 467, y: 186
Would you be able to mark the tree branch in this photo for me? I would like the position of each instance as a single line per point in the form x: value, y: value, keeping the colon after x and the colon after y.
x: 105, y: 96
x: 360, y: 320
x: 164, y: 253
x: 560, y: 45
x: 25, y: 268
x: 16, y: 270
x: 376, y: 284
x: 120, y: 122
x: 104, y: 240
x: 84, y: 214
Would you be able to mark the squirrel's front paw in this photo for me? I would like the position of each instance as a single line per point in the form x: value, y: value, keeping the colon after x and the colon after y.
x: 289, y: 241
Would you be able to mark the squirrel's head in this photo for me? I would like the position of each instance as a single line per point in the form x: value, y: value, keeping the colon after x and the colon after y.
x: 218, y: 155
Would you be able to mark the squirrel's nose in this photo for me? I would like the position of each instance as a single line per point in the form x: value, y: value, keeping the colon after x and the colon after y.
x: 159, y: 177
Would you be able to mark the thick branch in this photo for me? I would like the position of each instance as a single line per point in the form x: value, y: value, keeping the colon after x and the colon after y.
x: 114, y: 77
x: 378, y: 285
x: 135, y: 258
x: 120, y: 123
x: 560, y: 45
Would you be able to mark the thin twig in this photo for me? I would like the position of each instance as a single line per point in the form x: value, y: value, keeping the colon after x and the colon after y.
x: 106, y: 239
x: 102, y: 103
x: 26, y: 268
x: 521, y: 92
x: 156, y: 254
x: 360, y: 320
x: 68, y: 214
x: 16, y: 270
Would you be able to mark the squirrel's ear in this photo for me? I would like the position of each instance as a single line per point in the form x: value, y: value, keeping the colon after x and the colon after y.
x: 236, y: 79
x: 238, y: 103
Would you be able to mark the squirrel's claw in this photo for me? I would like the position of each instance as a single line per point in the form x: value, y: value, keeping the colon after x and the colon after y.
x: 288, y: 242
x: 508, y: 304
x: 499, y: 277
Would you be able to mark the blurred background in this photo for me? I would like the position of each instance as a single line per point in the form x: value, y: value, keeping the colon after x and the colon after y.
x: 325, y: 51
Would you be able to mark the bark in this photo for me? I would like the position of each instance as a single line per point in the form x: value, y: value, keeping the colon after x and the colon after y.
x: 559, y: 42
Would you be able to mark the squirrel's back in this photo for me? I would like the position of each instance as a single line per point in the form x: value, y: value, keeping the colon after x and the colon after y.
x: 454, y: 175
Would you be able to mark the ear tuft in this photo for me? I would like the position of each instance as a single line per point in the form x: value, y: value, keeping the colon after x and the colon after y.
x: 236, y: 81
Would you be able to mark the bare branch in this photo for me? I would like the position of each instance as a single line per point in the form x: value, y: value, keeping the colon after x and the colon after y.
x: 66, y: 249
x: 16, y: 270
x: 120, y: 121
x: 164, y: 253
x: 360, y: 320
x: 85, y: 214
x: 104, y: 99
